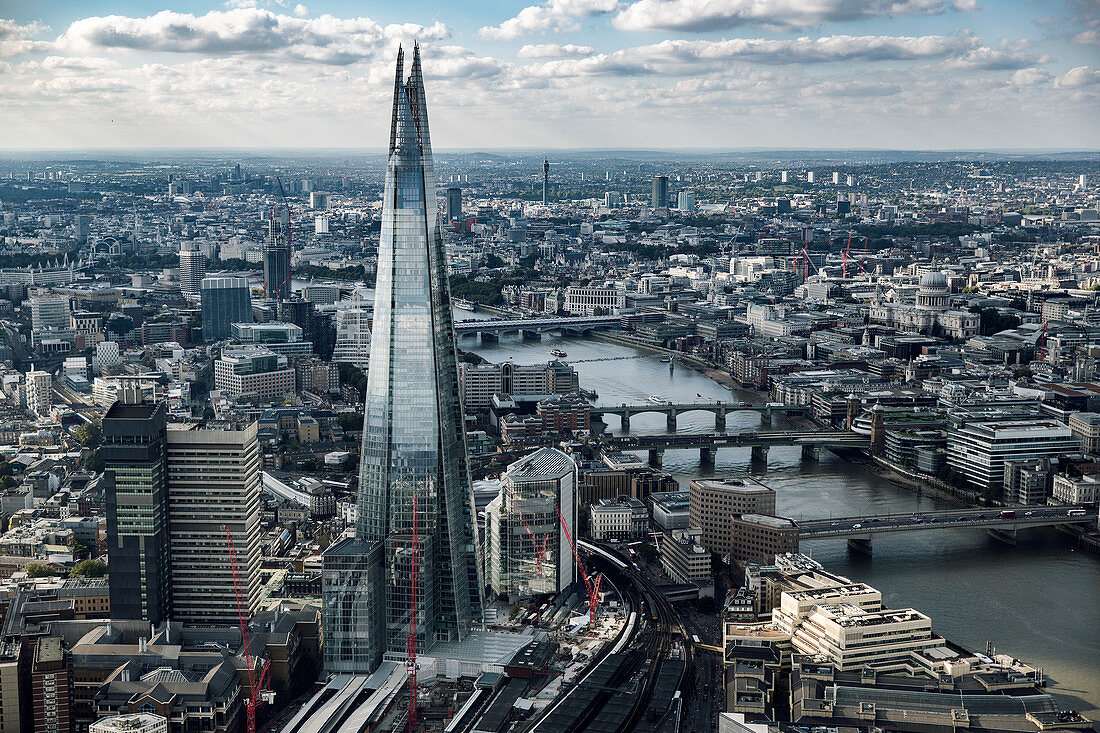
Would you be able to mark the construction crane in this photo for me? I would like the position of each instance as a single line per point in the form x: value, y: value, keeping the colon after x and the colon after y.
x: 593, y: 590
x: 410, y: 647
x: 257, y: 681
x: 846, y: 248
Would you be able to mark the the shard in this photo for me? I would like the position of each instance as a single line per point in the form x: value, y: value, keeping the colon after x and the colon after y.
x: 413, y: 433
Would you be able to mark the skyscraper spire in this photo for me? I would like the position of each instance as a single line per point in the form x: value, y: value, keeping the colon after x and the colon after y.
x: 413, y: 432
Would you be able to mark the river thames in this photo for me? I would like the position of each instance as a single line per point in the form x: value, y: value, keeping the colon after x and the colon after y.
x: 1039, y: 600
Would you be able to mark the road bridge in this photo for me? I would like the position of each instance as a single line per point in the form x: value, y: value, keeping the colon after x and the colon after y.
x: 1003, y: 524
x: 811, y: 442
x: 674, y: 410
x: 533, y: 328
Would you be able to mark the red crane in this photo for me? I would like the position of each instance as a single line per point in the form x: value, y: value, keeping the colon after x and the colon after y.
x: 410, y: 649
x: 846, y: 248
x: 257, y: 681
x: 593, y: 590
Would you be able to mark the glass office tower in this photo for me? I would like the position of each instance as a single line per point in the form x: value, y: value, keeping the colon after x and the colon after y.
x: 413, y: 432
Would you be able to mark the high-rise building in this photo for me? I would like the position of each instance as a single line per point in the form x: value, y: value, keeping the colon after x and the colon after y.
x: 49, y: 311
x: 213, y: 487
x: 50, y: 674
x: 712, y: 502
x: 106, y: 356
x: 454, y: 204
x: 39, y: 391
x: 353, y: 337
x: 783, y: 175
x: 809, y: 176
x: 13, y: 710
x: 545, y: 181
x: 414, y: 471
x: 685, y: 201
x: 659, y: 195
x: 134, y: 453
x: 225, y: 300
x: 276, y: 254
x: 527, y: 551
x: 318, y: 200
x: 1083, y: 181
x: 192, y: 268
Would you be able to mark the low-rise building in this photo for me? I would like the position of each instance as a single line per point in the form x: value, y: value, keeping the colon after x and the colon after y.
x: 670, y: 510
x: 1077, y: 489
x: 683, y: 558
x: 622, y: 518
x: 253, y: 372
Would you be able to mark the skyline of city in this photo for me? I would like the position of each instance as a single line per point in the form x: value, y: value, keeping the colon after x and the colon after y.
x: 650, y: 73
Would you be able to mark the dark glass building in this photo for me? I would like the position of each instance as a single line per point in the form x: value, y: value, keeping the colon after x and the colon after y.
x: 659, y: 195
x: 413, y: 434
x: 134, y: 452
x: 225, y: 301
x: 454, y: 204
x: 276, y: 254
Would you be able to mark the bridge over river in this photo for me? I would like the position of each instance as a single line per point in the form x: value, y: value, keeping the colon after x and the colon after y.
x: 674, y: 410
x: 1001, y: 523
x: 811, y: 441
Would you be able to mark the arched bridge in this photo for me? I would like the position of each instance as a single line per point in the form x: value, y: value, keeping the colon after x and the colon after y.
x: 811, y: 441
x: 535, y: 327
x: 673, y: 410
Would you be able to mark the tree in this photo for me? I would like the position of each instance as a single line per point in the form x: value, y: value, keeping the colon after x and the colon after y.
x: 89, y: 569
x: 351, y: 421
x: 94, y: 463
x: 88, y: 434
x: 38, y: 570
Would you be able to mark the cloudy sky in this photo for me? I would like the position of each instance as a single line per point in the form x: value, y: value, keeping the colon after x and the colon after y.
x: 927, y: 74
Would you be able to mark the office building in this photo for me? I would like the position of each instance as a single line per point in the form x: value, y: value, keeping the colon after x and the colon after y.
x: 1077, y: 489
x: 760, y: 537
x: 50, y: 677
x: 978, y: 450
x: 454, y: 204
x: 49, y: 311
x: 353, y: 337
x: 414, y: 465
x: 685, y: 201
x: 13, y: 712
x: 213, y: 488
x: 712, y: 502
x: 225, y: 301
x: 545, y: 182
x: 659, y: 195
x: 134, y: 453
x: 670, y: 509
x: 192, y: 269
x: 276, y: 254
x: 131, y: 723
x: 39, y: 392
x: 621, y: 518
x: 253, y: 373
x: 809, y: 176
x: 278, y: 336
x: 107, y: 356
x: 612, y: 199
x: 683, y: 558
x: 594, y: 301
x: 318, y: 200
x: 1086, y: 428
x: 481, y: 381
x: 527, y: 551
x: 783, y: 176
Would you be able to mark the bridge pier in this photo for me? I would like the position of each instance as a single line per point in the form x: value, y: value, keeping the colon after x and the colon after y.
x: 487, y: 337
x: 720, y: 420
x: 531, y: 335
x: 706, y: 456
x: 759, y: 454
x: 811, y: 452
x: 626, y: 422
x: 1007, y: 535
x: 670, y: 421
x: 656, y: 457
x: 862, y: 545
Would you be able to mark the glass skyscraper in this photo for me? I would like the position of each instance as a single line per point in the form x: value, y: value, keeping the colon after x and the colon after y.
x: 413, y: 433
x: 225, y: 301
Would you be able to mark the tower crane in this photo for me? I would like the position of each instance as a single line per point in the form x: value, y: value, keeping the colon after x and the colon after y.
x: 257, y: 680
x: 593, y: 590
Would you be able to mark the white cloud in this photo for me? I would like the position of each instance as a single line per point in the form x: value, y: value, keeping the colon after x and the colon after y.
x: 709, y: 15
x: 851, y: 89
x: 552, y: 16
x: 15, y: 41
x: 1009, y: 55
x: 682, y: 56
x: 1029, y: 77
x: 1079, y: 76
x: 245, y: 31
x: 1087, y: 38
x: 554, y: 51
x: 300, y: 11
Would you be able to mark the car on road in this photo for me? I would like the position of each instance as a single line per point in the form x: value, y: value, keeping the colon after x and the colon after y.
x: 856, y: 526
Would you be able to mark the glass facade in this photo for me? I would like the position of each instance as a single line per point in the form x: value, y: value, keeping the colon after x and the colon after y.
x: 413, y: 433
x: 225, y: 301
